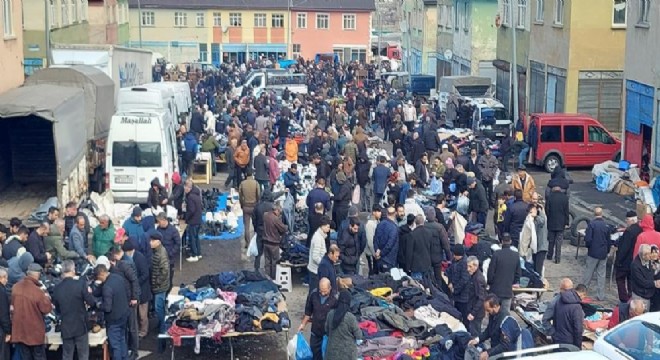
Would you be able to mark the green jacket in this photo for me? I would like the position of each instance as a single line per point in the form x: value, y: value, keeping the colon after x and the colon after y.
x: 160, y: 270
x: 103, y: 240
x: 55, y: 245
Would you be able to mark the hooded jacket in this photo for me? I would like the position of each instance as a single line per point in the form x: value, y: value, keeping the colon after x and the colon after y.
x: 648, y: 235
x: 193, y: 214
x: 568, y: 319
x: 556, y: 208
x: 156, y: 197
x: 18, y: 266
x: 558, y: 179
x: 11, y: 246
x: 350, y: 247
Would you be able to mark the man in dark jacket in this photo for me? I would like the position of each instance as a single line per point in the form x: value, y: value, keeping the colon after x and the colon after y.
x: 349, y: 244
x: 261, y: 169
x: 265, y: 205
x: 419, y: 250
x: 597, y: 241
x: 476, y: 297
x: 327, y: 265
x: 386, y: 242
x: 70, y: 298
x: 440, y: 249
x: 35, y: 244
x: 459, y: 281
x: 141, y: 266
x: 380, y: 174
x: 362, y: 170
x: 488, y: 165
x: 624, y: 256
x: 478, y: 200
x: 319, y: 303
x: 115, y: 307
x: 274, y: 229
x: 126, y: 267
x: 514, y: 217
x: 417, y: 150
x: 319, y: 195
x: 5, y: 317
x: 503, y: 272
x: 556, y: 209
x: 171, y: 240
x: 197, y: 121
x: 159, y: 280
x: 193, y: 219
x: 292, y: 180
x: 642, y: 280
x: 405, y: 232
x: 568, y: 319
x: 422, y: 171
x: 496, y: 315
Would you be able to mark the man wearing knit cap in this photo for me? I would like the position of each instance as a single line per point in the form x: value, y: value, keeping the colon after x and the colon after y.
x: 459, y: 281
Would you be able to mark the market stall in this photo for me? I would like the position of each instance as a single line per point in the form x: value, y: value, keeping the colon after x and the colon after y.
x: 96, y: 339
x: 225, y: 306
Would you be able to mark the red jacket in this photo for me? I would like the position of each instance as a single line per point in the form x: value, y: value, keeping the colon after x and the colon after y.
x: 648, y: 235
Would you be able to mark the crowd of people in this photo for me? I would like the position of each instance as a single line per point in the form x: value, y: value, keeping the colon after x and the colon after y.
x: 330, y: 128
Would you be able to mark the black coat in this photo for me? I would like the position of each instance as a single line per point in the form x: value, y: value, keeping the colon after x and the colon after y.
x: 114, y: 298
x: 460, y: 279
x: 171, y: 241
x: 416, y: 151
x: 350, y: 247
x: 504, y: 271
x: 473, y: 167
x: 404, y: 236
x: 477, y: 295
x: 261, y: 170
x: 514, y: 219
x: 194, y: 209
x: 35, y: 246
x: 129, y: 274
x: 5, y: 318
x: 418, y: 250
x: 556, y: 208
x: 327, y: 270
x: 625, y: 247
x: 69, y: 298
x: 568, y: 319
x: 142, y: 268
x: 478, y: 199
x: 362, y: 173
x: 422, y: 173
x: 440, y: 250
x: 197, y: 123
x: 641, y: 279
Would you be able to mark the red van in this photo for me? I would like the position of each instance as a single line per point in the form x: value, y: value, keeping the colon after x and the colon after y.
x: 571, y: 140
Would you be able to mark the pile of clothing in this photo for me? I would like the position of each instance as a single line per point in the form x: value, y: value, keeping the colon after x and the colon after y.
x: 293, y: 251
x: 400, y: 319
x: 221, y: 213
x: 217, y: 304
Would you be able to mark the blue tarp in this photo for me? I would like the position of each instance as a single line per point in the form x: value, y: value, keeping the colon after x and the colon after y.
x: 286, y: 63
x: 236, y: 234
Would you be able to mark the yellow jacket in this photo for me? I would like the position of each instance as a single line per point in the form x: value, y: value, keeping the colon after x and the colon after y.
x: 529, y: 188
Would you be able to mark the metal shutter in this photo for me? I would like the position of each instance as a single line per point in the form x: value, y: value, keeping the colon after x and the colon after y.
x: 537, y: 92
x: 600, y: 97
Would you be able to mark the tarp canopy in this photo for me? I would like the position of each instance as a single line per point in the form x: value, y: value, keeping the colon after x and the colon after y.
x: 465, y: 85
x: 63, y: 106
x: 99, y: 92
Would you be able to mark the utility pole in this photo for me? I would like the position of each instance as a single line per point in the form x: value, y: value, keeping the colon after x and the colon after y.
x: 380, y: 31
x: 49, y: 53
x: 139, y: 22
x: 289, y: 48
x: 514, y: 66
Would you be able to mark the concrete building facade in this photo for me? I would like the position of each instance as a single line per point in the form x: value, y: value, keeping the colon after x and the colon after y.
x: 420, y: 40
x: 11, y: 45
x: 642, y: 86
x: 108, y: 22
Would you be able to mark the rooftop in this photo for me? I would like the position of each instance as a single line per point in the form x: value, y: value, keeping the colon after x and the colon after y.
x: 308, y: 5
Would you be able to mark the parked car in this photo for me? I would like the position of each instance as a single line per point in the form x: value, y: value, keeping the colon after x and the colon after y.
x: 634, y: 339
x: 572, y: 140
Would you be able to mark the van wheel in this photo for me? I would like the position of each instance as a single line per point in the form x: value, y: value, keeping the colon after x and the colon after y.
x: 551, y: 162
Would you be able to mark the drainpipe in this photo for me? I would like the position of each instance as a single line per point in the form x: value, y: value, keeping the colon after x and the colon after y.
x: 139, y: 23
x: 514, y: 66
x: 49, y: 53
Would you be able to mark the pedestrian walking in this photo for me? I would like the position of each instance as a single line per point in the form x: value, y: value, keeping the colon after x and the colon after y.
x: 193, y: 219
x: 274, y: 229
x: 597, y: 241
x: 557, y: 210
x: 249, y: 193
x: 476, y: 297
x: 504, y: 272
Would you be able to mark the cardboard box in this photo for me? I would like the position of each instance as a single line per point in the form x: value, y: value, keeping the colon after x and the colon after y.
x: 625, y: 188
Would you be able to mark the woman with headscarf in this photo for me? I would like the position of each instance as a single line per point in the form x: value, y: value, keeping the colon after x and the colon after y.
x: 343, y: 331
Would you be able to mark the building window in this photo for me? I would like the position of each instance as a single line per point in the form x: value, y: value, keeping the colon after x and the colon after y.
x: 180, y: 19
x: 200, y: 19
x: 65, y: 13
x: 7, y: 10
x: 277, y: 20
x: 506, y: 12
x: 235, y: 20
x: 74, y: 10
x: 51, y: 14
x: 619, y: 13
x: 450, y: 17
x: 203, y: 52
x: 302, y: 20
x: 644, y: 10
x: 559, y: 12
x: 296, y: 48
x: 349, y: 21
x: 148, y: 18
x: 260, y: 20
x: 456, y: 19
x: 359, y: 55
x: 540, y: 10
x: 322, y: 21
x: 466, y: 16
x: 217, y: 19
x: 521, y: 22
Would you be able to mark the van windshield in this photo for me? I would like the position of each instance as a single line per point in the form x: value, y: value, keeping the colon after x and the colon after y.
x: 136, y: 154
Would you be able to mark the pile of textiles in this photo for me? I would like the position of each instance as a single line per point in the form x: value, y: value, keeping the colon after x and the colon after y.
x: 400, y: 319
x: 244, y: 301
x: 293, y: 251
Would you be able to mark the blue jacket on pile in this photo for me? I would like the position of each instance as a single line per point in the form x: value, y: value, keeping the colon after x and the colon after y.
x: 386, y: 239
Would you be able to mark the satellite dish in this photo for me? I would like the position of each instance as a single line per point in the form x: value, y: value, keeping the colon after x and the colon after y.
x: 448, y: 55
x: 225, y: 28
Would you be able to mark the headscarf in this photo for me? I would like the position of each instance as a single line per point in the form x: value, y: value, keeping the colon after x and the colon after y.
x: 343, y: 306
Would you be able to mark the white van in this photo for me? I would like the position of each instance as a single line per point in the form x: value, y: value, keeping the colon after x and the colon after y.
x: 139, y: 149
x: 181, y: 93
x: 147, y: 98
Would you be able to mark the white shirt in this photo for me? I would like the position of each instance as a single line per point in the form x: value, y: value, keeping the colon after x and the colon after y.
x: 411, y: 207
x: 209, y: 119
x: 316, y: 251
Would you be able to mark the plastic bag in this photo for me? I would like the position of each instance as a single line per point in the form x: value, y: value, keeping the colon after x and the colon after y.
x: 252, y: 249
x: 303, y: 351
x: 291, y: 348
x: 356, y: 195
x: 463, y: 204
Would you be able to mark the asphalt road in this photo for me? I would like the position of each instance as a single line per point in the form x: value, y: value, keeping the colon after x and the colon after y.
x: 230, y: 256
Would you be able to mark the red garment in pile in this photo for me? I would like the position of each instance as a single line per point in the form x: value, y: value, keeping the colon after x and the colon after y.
x: 370, y: 326
x: 177, y: 332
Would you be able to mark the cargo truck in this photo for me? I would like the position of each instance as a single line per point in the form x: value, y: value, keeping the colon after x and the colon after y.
x: 125, y: 66
x: 53, y: 134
